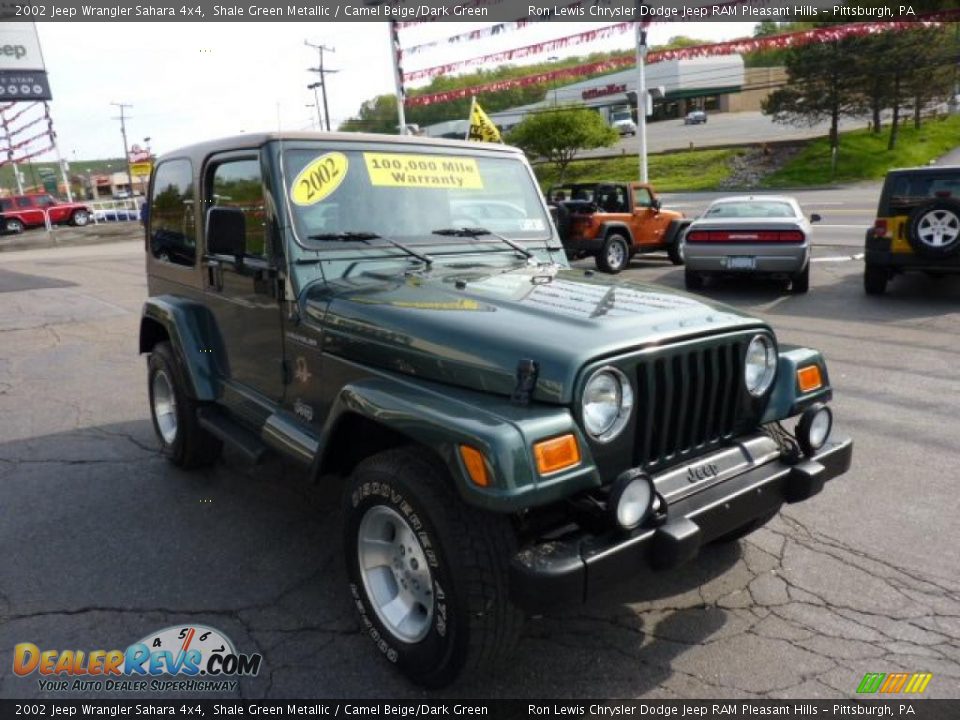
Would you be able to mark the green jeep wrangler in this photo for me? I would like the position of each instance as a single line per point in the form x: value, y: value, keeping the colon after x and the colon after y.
x: 507, y: 433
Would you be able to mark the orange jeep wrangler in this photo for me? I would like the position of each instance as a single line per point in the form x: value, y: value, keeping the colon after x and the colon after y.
x: 615, y: 221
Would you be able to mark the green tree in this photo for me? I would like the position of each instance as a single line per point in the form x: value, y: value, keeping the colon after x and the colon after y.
x: 559, y: 135
x: 823, y: 83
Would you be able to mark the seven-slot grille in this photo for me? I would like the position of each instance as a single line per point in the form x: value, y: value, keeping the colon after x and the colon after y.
x: 687, y: 400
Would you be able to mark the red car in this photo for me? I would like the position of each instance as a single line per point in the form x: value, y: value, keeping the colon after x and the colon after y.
x: 25, y: 211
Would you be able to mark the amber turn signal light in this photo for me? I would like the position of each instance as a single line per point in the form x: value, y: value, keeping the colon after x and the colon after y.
x: 476, y: 467
x: 809, y: 379
x: 556, y: 454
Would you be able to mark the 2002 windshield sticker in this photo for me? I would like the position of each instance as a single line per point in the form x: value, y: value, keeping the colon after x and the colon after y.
x: 176, y: 659
x: 319, y: 178
x: 418, y: 171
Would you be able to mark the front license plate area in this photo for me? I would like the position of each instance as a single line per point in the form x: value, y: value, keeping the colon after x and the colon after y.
x: 741, y: 262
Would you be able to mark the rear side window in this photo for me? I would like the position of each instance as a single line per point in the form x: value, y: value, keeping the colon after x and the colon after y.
x: 173, y: 236
x: 904, y: 192
x: 6, y: 204
x: 238, y: 184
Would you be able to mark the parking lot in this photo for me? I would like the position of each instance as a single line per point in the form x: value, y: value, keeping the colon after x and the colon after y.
x: 104, y: 542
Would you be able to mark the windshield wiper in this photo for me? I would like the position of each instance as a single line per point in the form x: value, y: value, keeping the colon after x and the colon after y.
x: 477, y: 232
x: 366, y: 237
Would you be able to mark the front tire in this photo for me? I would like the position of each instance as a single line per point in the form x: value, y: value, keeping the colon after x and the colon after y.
x: 80, y: 218
x: 875, y: 279
x: 614, y: 255
x: 427, y: 573
x: 174, y: 414
x: 675, y: 251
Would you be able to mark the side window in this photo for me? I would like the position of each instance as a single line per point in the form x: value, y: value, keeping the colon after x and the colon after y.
x: 238, y: 184
x: 6, y: 204
x: 642, y: 196
x: 24, y: 202
x: 45, y: 201
x: 173, y: 236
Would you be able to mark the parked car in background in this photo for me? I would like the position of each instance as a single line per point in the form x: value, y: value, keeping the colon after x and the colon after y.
x: 746, y: 235
x: 917, y: 226
x: 695, y: 117
x: 615, y: 221
x: 26, y: 211
x: 622, y: 122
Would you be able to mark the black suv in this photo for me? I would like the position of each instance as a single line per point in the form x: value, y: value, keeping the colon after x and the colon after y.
x: 917, y: 226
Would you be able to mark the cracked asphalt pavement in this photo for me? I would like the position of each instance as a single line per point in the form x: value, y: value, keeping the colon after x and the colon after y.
x: 104, y: 542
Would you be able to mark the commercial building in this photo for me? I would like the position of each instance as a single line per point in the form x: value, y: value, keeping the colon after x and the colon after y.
x: 714, y: 84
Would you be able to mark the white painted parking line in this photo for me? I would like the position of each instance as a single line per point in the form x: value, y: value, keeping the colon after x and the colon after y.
x: 838, y: 258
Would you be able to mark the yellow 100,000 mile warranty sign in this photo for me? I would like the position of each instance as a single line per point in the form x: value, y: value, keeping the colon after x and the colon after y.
x: 423, y: 171
x: 319, y: 178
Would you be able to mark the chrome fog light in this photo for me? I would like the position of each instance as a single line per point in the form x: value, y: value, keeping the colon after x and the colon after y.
x: 632, y: 499
x: 814, y: 428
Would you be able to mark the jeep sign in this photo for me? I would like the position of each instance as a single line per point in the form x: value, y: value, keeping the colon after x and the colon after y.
x: 22, y: 73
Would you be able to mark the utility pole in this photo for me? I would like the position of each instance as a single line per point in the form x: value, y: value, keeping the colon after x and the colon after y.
x: 398, y: 77
x: 321, y: 71
x: 123, y: 131
x: 16, y: 169
x: 641, y: 96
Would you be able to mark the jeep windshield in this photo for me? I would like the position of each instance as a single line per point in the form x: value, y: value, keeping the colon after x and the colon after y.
x: 407, y: 193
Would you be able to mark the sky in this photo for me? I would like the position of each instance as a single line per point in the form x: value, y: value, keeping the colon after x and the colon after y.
x: 189, y: 82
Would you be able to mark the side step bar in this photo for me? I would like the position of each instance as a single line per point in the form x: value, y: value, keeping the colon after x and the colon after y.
x: 221, y: 426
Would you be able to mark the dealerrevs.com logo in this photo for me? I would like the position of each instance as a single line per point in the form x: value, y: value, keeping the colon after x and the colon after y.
x: 180, y: 658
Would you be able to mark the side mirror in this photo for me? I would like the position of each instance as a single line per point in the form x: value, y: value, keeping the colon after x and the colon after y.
x: 656, y: 205
x: 226, y: 232
x: 815, y: 218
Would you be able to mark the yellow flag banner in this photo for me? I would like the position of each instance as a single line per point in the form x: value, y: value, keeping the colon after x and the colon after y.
x: 482, y: 128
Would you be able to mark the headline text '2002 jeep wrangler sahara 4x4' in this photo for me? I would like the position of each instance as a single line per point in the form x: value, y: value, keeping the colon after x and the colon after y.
x: 507, y: 432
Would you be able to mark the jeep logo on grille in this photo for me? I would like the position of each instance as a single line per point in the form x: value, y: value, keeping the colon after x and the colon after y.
x: 702, y: 472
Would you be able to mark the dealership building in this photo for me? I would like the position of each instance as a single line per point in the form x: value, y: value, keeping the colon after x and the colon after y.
x: 715, y: 84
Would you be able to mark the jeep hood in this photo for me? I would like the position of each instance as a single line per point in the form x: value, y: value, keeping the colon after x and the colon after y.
x: 470, y: 326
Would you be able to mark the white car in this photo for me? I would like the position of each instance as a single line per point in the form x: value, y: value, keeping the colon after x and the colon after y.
x: 750, y: 235
x: 622, y: 122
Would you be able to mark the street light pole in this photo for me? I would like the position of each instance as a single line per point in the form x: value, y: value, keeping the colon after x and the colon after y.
x: 641, y: 97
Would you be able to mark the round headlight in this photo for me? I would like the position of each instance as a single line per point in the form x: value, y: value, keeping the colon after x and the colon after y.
x: 760, y: 365
x: 607, y: 402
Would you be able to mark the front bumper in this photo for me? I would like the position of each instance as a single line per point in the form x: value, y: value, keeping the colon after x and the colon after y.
x: 577, y: 567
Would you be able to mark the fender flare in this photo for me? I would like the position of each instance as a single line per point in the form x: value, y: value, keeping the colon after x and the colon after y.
x: 196, y: 340
x: 786, y: 400
x: 622, y: 227
x: 675, y: 230
x: 442, y: 421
